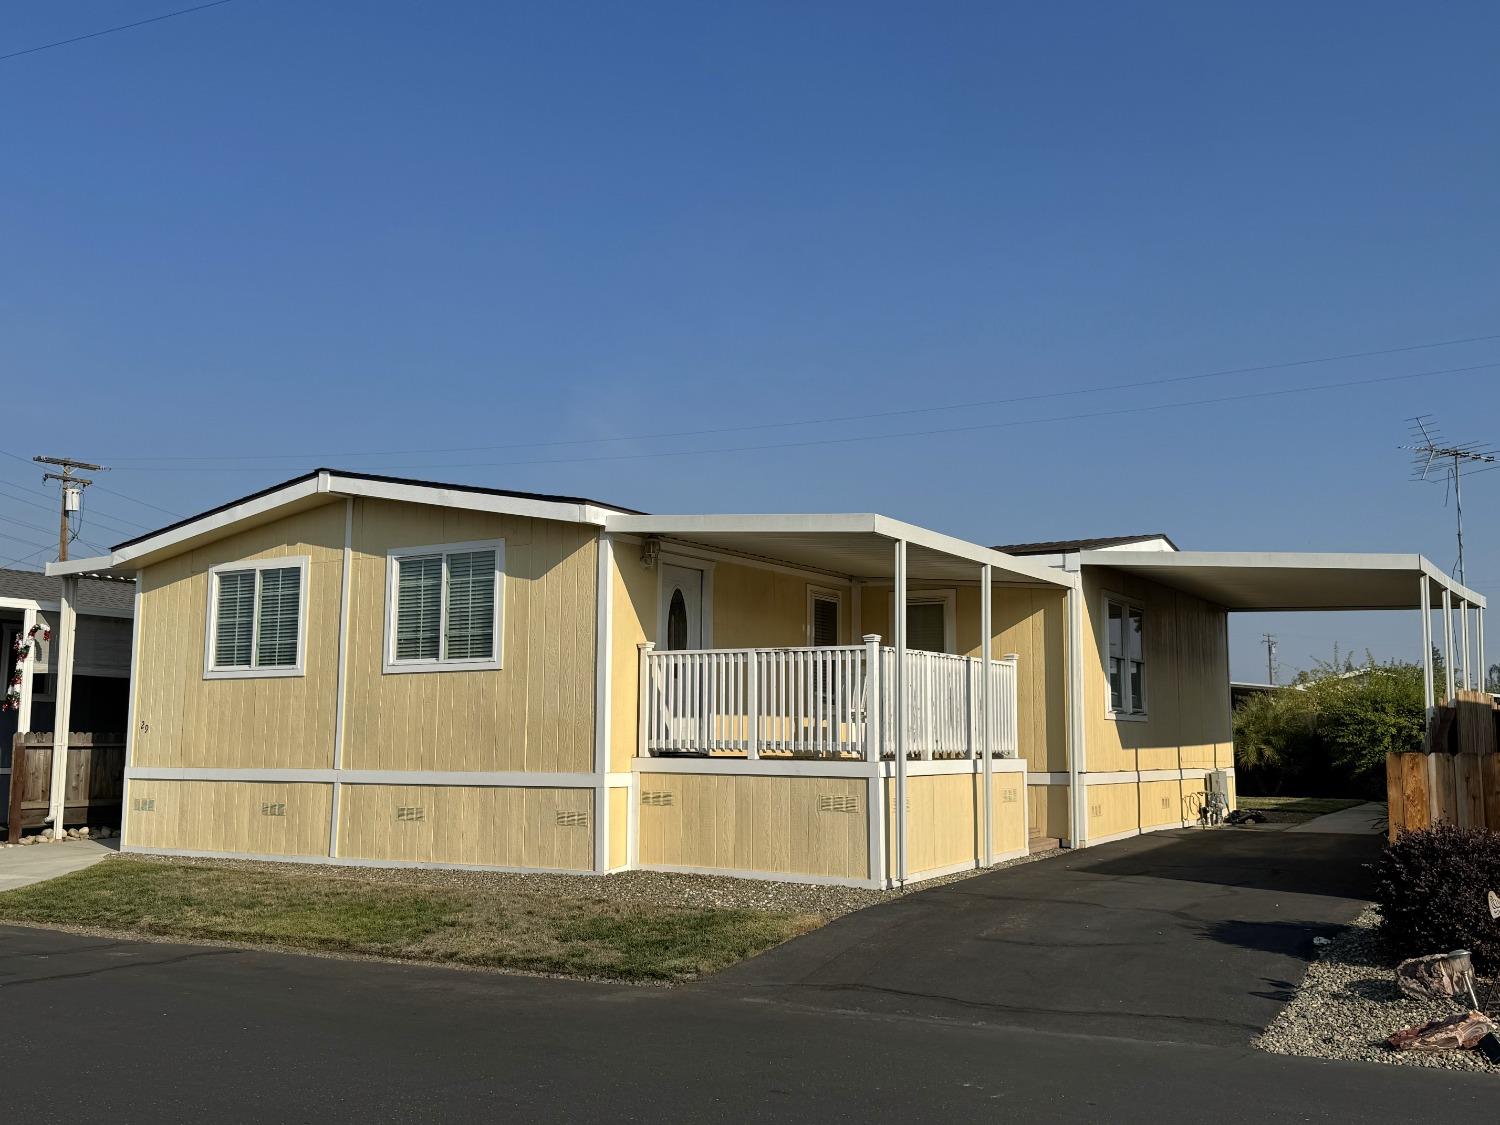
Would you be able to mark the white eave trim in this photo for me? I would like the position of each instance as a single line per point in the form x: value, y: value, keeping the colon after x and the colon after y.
x: 835, y: 524
x: 332, y: 484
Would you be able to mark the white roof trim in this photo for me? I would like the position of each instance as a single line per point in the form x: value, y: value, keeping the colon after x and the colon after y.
x: 832, y: 523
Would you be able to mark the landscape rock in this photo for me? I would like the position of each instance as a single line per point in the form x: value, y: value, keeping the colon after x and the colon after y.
x: 1434, y: 977
x: 1451, y: 1033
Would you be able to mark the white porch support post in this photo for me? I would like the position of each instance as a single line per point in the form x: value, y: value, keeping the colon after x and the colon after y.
x: 130, y: 711
x: 62, y: 669
x: 643, y: 707
x: 1484, y: 671
x: 1429, y: 690
x: 875, y: 800
x: 899, y: 710
x: 23, y: 710
x: 987, y: 697
x: 603, y: 646
x: 1448, y: 669
x: 1077, y: 763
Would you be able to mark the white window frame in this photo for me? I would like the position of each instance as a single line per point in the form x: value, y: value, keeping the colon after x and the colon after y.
x: 817, y: 594
x: 393, y: 557
x: 948, y: 599
x: 1126, y: 605
x: 303, y: 564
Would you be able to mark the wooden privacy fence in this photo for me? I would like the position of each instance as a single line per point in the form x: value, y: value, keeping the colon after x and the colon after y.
x: 1455, y: 777
x: 94, y: 786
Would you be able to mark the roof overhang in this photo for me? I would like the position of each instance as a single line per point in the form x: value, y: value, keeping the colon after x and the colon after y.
x: 1273, y: 581
x: 856, y: 546
x: 311, y: 491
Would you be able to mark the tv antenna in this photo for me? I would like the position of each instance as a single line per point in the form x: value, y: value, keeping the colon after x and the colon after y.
x: 1431, y: 453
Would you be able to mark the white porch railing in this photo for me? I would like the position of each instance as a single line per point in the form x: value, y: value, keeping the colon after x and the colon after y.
x: 821, y: 703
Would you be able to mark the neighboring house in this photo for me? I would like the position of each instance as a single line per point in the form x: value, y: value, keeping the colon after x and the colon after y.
x: 369, y: 670
x: 101, y: 666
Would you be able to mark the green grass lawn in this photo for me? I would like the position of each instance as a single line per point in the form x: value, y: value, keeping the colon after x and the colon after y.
x: 1296, y: 810
x: 505, y: 926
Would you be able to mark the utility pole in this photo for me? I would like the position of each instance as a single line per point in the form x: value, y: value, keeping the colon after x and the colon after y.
x: 1270, y: 640
x: 72, y: 493
x: 1428, y: 449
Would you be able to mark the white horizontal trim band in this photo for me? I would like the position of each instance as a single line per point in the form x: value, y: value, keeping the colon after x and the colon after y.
x: 758, y: 767
x: 1054, y: 778
x: 1189, y: 773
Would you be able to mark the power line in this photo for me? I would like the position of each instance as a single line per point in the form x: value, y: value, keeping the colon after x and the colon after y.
x: 136, y: 500
x: 9, y: 493
x: 1084, y: 416
x: 112, y: 30
x: 24, y: 558
x: 1036, y: 397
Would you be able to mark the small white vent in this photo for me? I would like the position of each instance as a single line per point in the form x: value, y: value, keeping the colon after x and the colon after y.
x: 657, y: 797
x: 143, y: 804
x: 1096, y: 810
x: 838, y: 802
x: 410, y: 812
x: 572, y: 820
x: 1011, y: 796
x: 276, y: 808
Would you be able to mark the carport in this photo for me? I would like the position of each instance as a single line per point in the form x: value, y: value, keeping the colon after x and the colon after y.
x: 1270, y: 582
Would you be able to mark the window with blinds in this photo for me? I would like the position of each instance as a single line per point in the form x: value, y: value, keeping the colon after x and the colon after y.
x: 825, y: 621
x: 257, y: 618
x: 1125, y: 628
x: 927, y: 626
x: 445, y: 607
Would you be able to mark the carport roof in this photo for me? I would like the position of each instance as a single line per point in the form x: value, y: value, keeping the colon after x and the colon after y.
x: 1269, y: 581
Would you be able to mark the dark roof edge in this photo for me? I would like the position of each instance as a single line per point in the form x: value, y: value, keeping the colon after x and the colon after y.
x: 1063, y: 546
x: 313, y: 475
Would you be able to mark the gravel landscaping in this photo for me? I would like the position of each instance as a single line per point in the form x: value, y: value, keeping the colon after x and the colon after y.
x: 1349, y: 1004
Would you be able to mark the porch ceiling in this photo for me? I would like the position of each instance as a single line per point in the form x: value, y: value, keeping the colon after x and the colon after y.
x: 1288, y: 581
x: 859, y: 546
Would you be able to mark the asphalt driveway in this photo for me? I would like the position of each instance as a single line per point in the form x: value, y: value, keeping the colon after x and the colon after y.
x: 1044, y: 993
x: 1187, y: 936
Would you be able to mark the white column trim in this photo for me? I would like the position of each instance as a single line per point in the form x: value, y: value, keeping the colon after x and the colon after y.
x: 346, y: 579
x: 603, y: 649
x: 62, y: 668
x: 23, y: 711
x: 898, y: 742
x: 987, y: 702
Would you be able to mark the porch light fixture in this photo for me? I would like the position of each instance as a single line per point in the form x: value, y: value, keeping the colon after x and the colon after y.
x: 650, y: 551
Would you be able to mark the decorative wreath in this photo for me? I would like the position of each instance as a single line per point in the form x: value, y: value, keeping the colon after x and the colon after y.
x: 20, y: 650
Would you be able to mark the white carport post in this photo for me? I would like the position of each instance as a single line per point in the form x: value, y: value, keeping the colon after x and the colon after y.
x: 1429, y: 691
x: 62, y: 668
x: 899, y: 711
x: 1484, y: 672
x: 1463, y: 608
x: 986, y: 695
x: 1448, y: 645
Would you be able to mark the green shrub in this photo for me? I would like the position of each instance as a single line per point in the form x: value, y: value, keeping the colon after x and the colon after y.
x: 1430, y: 887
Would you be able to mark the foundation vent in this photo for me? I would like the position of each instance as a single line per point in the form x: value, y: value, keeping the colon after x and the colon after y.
x: 143, y: 804
x: 1096, y: 810
x: 1011, y: 796
x: 572, y: 820
x: 657, y: 797
x: 838, y: 802
x: 410, y: 812
x: 1166, y: 802
x: 277, y: 808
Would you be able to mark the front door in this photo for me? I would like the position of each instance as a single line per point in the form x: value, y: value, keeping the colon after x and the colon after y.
x: 681, y: 608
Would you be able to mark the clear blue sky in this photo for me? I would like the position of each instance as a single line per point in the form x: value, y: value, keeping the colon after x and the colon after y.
x: 311, y: 231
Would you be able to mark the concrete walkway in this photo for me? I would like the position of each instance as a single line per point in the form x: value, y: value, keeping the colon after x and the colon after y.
x: 1361, y: 820
x: 20, y: 867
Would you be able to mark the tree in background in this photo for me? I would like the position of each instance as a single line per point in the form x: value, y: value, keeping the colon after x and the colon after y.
x: 1328, y: 733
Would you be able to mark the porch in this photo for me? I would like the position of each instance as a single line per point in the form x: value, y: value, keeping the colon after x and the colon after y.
x: 835, y: 703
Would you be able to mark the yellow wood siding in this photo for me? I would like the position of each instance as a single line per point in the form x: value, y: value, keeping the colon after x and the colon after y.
x: 1028, y: 622
x: 633, y: 622
x: 1161, y: 803
x: 230, y: 816
x: 285, y: 722
x: 1047, y: 808
x: 944, y: 821
x: 619, y: 827
x: 755, y: 607
x: 764, y: 824
x: 537, y: 712
x: 1187, y: 680
x: 1008, y: 826
x: 489, y: 827
x: 1112, y: 809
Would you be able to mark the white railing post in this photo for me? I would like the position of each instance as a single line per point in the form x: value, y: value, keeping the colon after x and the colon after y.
x: 873, y: 701
x: 902, y: 706
x: 1424, y: 604
x: 1448, y: 661
x: 646, y: 702
x: 752, y: 705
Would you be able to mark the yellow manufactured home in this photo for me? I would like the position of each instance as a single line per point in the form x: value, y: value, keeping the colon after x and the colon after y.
x: 365, y: 670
